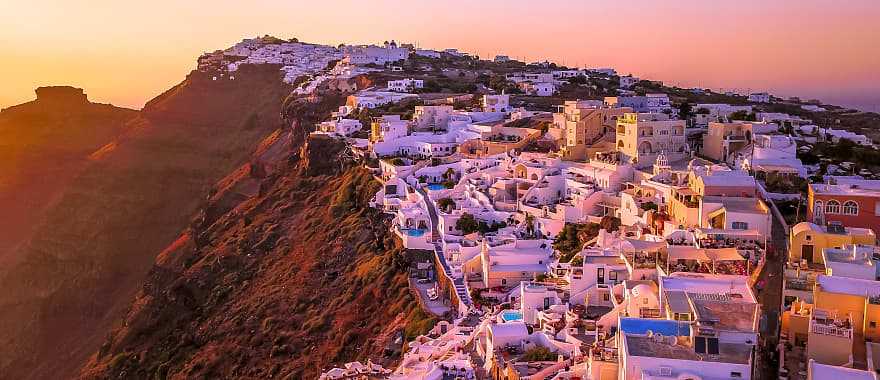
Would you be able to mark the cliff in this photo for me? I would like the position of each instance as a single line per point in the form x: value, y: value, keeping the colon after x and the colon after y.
x: 281, y: 280
x: 44, y: 144
x: 87, y: 253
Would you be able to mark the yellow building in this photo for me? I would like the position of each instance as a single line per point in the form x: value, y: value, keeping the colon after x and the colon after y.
x: 642, y: 136
x: 807, y: 240
x: 844, y: 314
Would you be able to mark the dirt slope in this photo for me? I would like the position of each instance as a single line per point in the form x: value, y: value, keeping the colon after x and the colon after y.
x: 285, y: 272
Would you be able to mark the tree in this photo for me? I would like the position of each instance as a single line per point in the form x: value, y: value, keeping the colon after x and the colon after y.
x: 743, y: 115
x: 449, y: 174
x: 467, y: 224
x: 530, y: 224
x: 685, y: 110
x: 649, y: 206
x: 397, y: 161
x: 446, y: 204
x: 610, y: 223
x: 580, y: 79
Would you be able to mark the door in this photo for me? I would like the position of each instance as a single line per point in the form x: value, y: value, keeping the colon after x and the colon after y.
x: 600, y: 276
x: 807, y: 253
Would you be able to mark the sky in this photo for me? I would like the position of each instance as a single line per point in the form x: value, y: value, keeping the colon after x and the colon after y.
x: 125, y: 53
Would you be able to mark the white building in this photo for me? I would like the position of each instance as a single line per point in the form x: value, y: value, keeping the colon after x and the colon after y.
x: 496, y: 103
x: 628, y: 81
x: 759, y: 97
x: 650, y: 103
x: 341, y: 127
x: 405, y: 85
x: 378, y: 55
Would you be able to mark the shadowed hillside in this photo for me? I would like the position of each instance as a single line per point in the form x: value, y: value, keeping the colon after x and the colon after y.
x: 43, y: 145
x: 280, y: 280
x: 91, y: 249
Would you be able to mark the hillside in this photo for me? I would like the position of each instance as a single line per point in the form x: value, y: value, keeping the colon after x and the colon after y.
x: 281, y: 283
x: 44, y: 144
x: 92, y: 247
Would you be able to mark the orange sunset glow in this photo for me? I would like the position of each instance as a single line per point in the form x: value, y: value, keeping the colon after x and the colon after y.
x: 126, y: 53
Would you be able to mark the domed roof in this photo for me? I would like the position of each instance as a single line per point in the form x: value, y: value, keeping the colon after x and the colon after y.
x: 642, y: 289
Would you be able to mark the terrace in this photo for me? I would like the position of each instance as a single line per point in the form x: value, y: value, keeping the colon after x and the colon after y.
x: 824, y: 323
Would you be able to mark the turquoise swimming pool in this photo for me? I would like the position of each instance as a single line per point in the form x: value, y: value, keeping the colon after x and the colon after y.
x: 413, y: 232
x: 511, y: 315
x: 436, y: 186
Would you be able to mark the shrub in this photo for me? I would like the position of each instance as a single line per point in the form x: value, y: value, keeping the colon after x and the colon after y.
x: 539, y: 354
x: 467, y: 224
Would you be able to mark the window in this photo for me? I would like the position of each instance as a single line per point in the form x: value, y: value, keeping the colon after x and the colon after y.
x: 873, y: 324
x: 605, y: 297
x: 833, y: 207
x: 850, y: 208
x: 736, y: 375
x: 739, y: 225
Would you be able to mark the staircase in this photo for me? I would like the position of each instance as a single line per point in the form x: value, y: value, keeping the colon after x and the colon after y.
x: 460, y: 287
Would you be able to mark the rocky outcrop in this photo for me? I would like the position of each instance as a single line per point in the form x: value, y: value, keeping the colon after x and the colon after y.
x: 61, y: 95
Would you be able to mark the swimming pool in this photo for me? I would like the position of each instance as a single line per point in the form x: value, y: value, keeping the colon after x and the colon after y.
x: 436, y: 186
x: 657, y: 326
x: 413, y: 232
x: 511, y: 315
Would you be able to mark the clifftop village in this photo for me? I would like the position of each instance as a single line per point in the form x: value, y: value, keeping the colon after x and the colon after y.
x: 584, y: 224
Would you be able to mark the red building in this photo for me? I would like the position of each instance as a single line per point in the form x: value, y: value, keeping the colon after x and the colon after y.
x: 853, y: 202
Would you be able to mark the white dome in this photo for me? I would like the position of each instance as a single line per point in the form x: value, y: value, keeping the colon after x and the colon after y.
x: 642, y: 290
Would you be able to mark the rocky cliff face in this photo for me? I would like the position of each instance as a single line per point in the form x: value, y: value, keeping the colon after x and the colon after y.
x: 61, y: 95
x: 89, y: 251
x: 247, y: 248
x: 44, y: 144
x: 284, y: 272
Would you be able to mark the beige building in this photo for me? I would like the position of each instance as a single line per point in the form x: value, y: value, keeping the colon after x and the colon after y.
x: 584, y: 123
x: 642, y: 136
x: 723, y: 139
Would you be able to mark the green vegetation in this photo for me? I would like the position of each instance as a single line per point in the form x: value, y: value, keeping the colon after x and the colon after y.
x: 467, y: 224
x: 785, y: 184
x: 446, y: 204
x: 863, y: 157
x: 743, y: 116
x: 571, y: 239
x: 418, y: 323
x: 685, y: 110
x: 397, y: 161
x: 610, y: 223
x: 647, y: 206
x: 539, y: 354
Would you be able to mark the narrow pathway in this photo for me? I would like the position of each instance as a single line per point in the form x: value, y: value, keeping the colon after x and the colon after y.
x: 770, y: 298
x: 460, y: 287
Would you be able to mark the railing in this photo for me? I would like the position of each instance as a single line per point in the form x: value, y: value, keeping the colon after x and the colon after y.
x: 646, y: 312
x: 832, y: 330
x: 798, y: 284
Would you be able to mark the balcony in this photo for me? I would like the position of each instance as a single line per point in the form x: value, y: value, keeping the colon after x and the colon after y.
x: 825, y: 324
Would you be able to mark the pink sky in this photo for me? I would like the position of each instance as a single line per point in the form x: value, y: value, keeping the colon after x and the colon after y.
x: 127, y: 53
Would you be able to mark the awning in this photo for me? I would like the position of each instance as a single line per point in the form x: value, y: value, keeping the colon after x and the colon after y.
x: 724, y: 254
x: 687, y: 253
